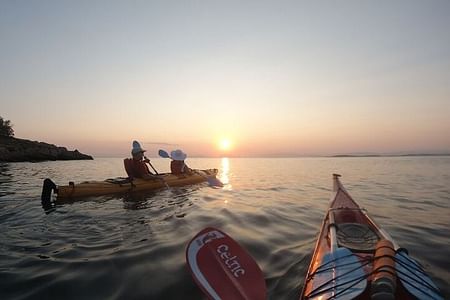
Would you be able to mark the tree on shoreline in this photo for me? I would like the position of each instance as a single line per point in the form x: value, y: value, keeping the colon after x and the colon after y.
x: 6, y: 128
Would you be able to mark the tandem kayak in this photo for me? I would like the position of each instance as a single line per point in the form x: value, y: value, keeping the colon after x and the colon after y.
x: 355, y: 259
x: 124, y: 185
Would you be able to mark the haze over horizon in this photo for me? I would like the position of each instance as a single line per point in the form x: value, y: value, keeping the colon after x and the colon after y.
x: 259, y: 78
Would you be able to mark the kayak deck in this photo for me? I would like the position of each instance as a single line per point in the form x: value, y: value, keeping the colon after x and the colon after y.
x: 342, y: 266
x: 124, y: 185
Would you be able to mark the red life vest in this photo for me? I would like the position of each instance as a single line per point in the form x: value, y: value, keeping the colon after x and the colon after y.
x: 177, y: 167
x: 135, y: 168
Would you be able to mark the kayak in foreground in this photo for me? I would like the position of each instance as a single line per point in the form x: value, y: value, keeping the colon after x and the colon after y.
x: 355, y: 259
x: 124, y: 185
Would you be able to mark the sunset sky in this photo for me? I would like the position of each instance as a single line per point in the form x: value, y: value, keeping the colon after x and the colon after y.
x: 273, y: 78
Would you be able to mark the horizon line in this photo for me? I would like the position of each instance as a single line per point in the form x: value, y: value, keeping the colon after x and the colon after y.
x: 302, y: 156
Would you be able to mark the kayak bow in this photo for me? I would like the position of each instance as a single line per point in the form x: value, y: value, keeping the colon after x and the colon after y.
x: 355, y: 259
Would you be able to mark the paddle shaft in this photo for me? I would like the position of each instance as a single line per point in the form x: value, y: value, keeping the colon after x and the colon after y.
x: 165, y: 183
x: 151, y: 165
x: 333, y: 239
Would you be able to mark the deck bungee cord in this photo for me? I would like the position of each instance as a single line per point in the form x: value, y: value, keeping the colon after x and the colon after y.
x: 420, y: 281
x: 318, y: 290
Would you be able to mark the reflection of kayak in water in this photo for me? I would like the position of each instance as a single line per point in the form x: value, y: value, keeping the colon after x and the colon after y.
x: 124, y: 185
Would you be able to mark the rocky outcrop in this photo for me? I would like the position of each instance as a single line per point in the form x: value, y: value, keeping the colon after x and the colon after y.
x: 16, y: 150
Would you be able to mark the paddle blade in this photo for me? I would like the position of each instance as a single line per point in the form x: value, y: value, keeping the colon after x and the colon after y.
x: 222, y: 268
x: 163, y: 153
x: 213, y: 181
x: 340, y: 276
x: 414, y: 278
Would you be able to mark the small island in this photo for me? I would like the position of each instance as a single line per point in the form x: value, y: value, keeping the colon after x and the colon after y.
x: 18, y: 150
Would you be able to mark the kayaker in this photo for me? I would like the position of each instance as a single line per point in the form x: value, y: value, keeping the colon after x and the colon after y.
x: 177, y: 165
x: 137, y: 166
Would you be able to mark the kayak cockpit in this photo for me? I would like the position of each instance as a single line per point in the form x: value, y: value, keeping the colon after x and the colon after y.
x: 353, y: 229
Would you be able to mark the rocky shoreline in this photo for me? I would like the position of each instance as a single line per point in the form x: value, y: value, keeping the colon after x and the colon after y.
x: 19, y: 150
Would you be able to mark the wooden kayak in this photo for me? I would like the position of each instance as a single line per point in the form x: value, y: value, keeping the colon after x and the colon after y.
x: 355, y: 259
x: 124, y: 185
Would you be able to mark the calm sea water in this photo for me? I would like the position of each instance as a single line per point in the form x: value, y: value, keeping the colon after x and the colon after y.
x: 133, y: 246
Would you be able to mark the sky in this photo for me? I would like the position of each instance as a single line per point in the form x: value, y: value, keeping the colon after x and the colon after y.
x: 228, y: 78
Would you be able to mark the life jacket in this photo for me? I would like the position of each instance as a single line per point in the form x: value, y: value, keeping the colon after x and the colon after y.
x: 177, y: 167
x: 135, y: 169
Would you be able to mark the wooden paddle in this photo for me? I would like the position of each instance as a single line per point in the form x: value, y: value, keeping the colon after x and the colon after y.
x: 212, y: 180
x: 222, y: 268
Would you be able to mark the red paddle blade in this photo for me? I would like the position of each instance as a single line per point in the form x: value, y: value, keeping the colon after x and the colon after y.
x: 222, y: 268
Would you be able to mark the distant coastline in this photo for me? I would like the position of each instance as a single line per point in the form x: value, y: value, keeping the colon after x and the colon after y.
x: 327, y: 155
x: 309, y: 156
x: 389, y: 155
x: 21, y: 150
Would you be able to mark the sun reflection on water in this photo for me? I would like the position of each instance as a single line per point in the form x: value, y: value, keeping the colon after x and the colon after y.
x: 225, y: 172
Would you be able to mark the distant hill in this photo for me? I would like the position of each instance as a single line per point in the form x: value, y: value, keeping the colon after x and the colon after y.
x: 18, y: 150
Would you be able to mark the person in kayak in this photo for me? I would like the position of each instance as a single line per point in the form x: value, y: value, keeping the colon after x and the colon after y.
x: 177, y: 165
x: 136, y: 167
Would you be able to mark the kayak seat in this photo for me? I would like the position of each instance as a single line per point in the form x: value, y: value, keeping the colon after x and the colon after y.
x: 357, y: 237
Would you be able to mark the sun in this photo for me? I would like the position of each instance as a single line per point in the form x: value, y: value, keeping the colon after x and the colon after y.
x: 225, y: 144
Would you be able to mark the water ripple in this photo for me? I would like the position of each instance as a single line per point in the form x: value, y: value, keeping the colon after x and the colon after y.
x: 133, y: 246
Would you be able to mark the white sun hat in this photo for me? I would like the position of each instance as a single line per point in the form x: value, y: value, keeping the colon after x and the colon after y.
x: 137, y: 148
x: 178, y: 155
